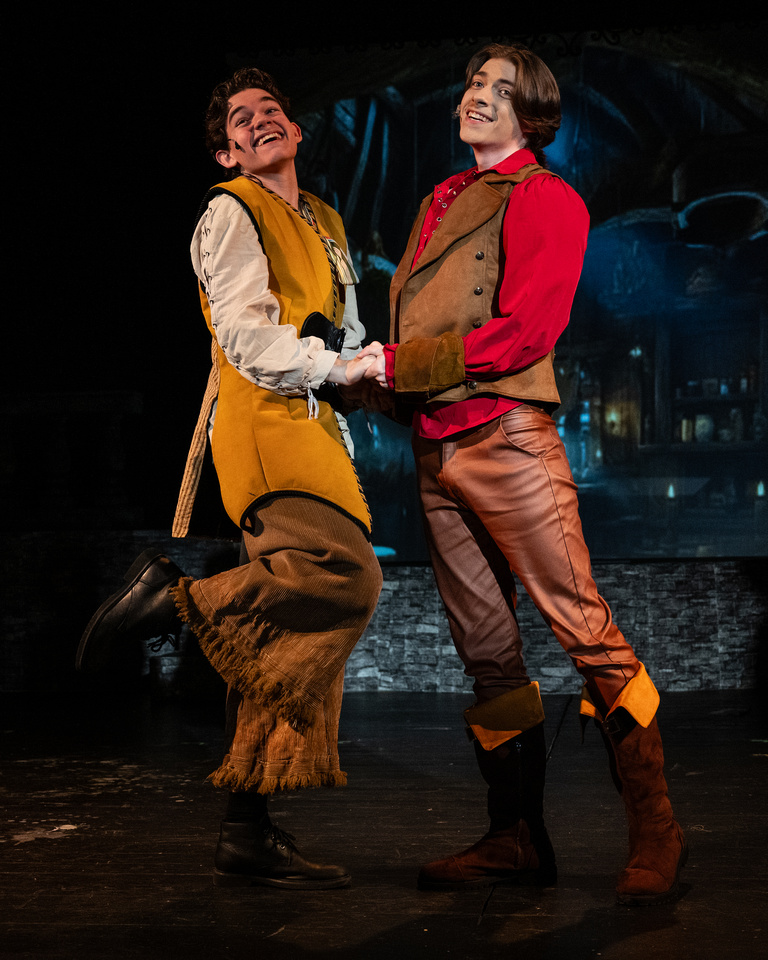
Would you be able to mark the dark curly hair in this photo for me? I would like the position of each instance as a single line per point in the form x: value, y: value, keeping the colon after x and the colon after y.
x: 247, y: 78
x: 535, y: 96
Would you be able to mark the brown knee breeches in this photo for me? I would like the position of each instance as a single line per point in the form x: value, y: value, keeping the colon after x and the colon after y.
x: 279, y: 630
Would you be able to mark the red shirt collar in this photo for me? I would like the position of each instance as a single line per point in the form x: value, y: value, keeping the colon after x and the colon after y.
x: 510, y: 164
x: 446, y: 192
x: 514, y: 161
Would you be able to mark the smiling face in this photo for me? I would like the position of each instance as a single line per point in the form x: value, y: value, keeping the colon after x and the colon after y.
x: 260, y: 137
x: 488, y: 122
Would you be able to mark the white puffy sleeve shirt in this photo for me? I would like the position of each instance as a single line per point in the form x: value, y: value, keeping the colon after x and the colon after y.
x: 228, y: 258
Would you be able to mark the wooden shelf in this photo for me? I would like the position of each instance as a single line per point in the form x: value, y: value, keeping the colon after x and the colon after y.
x: 742, y: 446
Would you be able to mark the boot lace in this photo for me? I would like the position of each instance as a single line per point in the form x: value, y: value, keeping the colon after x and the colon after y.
x: 156, y: 644
x: 281, y: 838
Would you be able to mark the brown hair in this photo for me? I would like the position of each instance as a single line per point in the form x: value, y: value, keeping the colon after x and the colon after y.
x: 247, y: 78
x: 535, y: 96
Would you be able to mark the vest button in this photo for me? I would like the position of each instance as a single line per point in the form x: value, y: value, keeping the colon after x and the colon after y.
x: 478, y: 291
x: 471, y: 384
x: 479, y: 255
x: 477, y: 323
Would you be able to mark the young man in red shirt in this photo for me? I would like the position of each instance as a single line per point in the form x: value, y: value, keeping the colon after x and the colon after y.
x: 478, y: 302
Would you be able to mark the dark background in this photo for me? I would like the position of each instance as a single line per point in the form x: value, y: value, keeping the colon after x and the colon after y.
x: 106, y: 353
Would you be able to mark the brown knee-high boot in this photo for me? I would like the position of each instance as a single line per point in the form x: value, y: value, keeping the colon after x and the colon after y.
x: 516, y: 847
x: 657, y: 847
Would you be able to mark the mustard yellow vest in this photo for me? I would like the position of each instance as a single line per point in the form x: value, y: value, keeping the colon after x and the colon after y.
x: 264, y: 444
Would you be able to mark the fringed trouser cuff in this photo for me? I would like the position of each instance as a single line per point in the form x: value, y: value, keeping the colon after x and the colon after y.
x: 230, y: 777
x: 267, y: 755
x: 238, y: 669
x: 279, y: 630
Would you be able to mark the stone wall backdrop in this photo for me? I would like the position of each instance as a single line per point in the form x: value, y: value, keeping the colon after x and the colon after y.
x: 696, y: 624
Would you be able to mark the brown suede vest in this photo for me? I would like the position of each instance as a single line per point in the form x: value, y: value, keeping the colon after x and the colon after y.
x: 454, y: 287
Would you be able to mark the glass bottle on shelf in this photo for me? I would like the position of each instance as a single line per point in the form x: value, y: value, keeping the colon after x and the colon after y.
x: 759, y: 426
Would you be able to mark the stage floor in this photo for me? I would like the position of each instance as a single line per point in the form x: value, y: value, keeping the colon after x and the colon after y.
x: 109, y: 829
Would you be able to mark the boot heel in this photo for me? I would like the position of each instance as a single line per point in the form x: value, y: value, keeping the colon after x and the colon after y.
x: 230, y: 879
x: 546, y: 877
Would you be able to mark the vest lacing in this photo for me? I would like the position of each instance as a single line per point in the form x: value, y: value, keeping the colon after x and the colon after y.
x: 342, y: 268
x: 313, y: 407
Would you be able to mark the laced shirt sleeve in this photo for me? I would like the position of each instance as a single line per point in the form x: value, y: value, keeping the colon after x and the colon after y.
x: 229, y: 260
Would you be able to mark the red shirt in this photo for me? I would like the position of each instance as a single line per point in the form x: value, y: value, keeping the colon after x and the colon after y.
x: 544, y: 238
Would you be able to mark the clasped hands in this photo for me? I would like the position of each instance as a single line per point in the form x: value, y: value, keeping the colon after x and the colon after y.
x: 369, y: 364
x: 375, y: 370
x: 362, y: 380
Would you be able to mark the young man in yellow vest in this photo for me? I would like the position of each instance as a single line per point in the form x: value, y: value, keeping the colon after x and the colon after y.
x: 277, y: 292
x: 479, y: 299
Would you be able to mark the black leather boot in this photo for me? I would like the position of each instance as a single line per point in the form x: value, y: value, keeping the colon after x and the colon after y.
x: 517, y: 847
x: 143, y: 609
x: 515, y: 773
x: 260, y: 854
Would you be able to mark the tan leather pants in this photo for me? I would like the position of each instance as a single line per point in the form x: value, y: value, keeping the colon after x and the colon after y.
x: 498, y: 501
